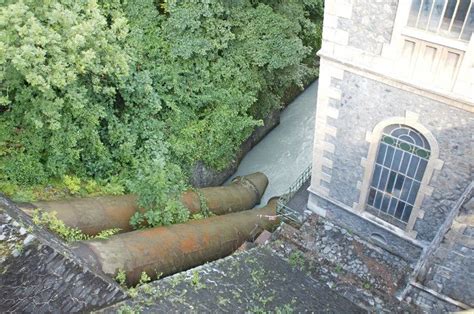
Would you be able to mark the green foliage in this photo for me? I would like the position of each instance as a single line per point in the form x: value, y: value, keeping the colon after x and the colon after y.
x: 163, y: 209
x: 297, y: 259
x: 73, y: 184
x: 121, y: 278
x: 196, y: 281
x: 285, y: 309
x: 61, y: 62
x: 62, y: 188
x: 144, y: 278
x: 204, y: 209
x: 126, y: 309
x: 50, y: 221
x: 113, y: 96
x: 107, y: 233
x: 230, y: 66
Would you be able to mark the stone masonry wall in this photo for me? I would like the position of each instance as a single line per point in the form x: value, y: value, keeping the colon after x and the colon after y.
x: 360, y: 88
x: 450, y: 271
x: 363, y: 104
x: 370, y: 231
x: 39, y: 274
x: 370, y: 25
x: 429, y: 303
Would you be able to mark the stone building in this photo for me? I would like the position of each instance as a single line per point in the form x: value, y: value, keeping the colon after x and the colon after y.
x: 393, y: 151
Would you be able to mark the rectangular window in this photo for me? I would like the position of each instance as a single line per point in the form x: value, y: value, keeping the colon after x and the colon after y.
x: 447, y: 18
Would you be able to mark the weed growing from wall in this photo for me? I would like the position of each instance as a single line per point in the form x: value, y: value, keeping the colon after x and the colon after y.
x: 69, y: 234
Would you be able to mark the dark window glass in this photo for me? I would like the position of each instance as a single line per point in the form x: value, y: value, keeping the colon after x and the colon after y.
x: 383, y: 179
x: 371, y: 196
x: 391, y: 181
x: 397, y: 160
x: 385, y: 203
x: 389, y: 156
x: 393, y: 205
x: 469, y: 26
x: 413, y: 166
x: 421, y: 169
x: 376, y: 176
x: 381, y: 153
x: 405, y: 163
x: 448, y: 18
x: 378, y: 200
x: 406, y: 189
x: 407, y: 213
x: 414, y: 190
x: 416, y: 138
x: 425, y: 13
x: 415, y: 8
x: 399, y: 211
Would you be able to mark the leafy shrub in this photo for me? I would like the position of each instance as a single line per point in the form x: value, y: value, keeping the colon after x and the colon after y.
x: 73, y: 184
x: 163, y: 206
x: 61, y: 62
x: 114, y: 96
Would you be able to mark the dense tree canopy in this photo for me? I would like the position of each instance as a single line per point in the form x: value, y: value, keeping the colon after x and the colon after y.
x: 126, y: 95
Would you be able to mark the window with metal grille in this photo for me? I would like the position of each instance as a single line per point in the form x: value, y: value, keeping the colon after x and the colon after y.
x: 448, y: 18
x: 401, y: 161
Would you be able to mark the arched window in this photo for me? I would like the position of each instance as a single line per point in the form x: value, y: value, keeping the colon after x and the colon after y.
x: 401, y: 161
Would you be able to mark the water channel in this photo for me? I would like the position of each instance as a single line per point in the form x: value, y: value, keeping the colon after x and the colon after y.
x: 287, y: 150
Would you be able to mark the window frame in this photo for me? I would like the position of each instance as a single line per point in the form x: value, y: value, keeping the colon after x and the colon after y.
x: 455, y: 41
x: 384, y: 190
x: 368, y: 165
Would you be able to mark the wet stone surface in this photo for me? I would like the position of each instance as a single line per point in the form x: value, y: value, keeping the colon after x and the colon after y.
x: 252, y: 281
x: 367, y: 275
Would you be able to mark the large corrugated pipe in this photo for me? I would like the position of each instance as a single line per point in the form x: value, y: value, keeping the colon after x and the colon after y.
x: 170, y: 249
x: 94, y: 214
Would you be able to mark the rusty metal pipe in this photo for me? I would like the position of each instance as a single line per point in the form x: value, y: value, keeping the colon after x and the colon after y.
x: 94, y: 214
x: 242, y: 194
x: 170, y: 249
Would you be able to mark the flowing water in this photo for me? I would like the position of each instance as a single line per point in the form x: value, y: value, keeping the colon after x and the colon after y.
x: 288, y: 149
